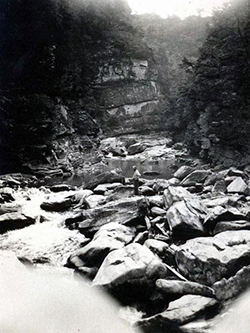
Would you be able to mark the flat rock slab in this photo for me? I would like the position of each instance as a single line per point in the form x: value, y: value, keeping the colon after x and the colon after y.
x: 180, y: 312
x: 209, y: 259
x: 168, y: 287
x: 231, y: 225
x: 95, y: 200
x: 122, y: 211
x: 60, y: 188
x: 57, y: 205
x: 13, y: 221
x: 102, y: 188
x: 197, y: 176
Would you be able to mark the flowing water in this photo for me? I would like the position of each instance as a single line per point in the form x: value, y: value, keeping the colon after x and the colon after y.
x: 49, y: 241
x: 52, y: 298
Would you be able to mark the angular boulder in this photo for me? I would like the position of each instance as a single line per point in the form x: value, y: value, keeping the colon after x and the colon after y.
x: 146, y: 190
x: 197, y: 176
x: 102, y: 188
x: 122, y: 192
x: 219, y: 214
x: 175, y: 193
x: 226, y: 289
x: 136, y: 148
x: 231, y: 225
x: 95, y: 200
x: 183, y: 171
x: 122, y: 211
x: 13, y: 221
x: 238, y: 186
x: 180, y: 312
x: 209, y: 259
x: 130, y: 271
x: 170, y: 287
x: 157, y: 211
x: 111, y: 236
x: 183, y: 222
x: 57, y: 205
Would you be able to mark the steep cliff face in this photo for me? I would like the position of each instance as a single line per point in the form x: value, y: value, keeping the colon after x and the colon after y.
x: 217, y: 101
x: 66, y: 69
x: 131, y: 96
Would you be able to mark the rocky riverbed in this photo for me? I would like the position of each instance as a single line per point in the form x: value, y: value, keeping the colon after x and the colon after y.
x: 178, y: 253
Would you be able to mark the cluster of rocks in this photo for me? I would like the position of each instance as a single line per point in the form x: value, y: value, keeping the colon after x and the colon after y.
x: 178, y: 251
x: 141, y: 146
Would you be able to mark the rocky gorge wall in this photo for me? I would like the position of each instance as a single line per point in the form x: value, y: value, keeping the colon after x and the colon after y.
x: 65, y: 96
x: 130, y: 94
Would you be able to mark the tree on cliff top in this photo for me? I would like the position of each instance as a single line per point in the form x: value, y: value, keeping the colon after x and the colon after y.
x: 219, y: 93
x: 54, y: 46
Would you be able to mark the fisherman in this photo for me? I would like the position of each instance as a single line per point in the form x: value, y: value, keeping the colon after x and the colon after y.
x: 136, y: 180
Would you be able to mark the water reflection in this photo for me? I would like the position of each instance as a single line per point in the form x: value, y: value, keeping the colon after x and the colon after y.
x: 149, y: 169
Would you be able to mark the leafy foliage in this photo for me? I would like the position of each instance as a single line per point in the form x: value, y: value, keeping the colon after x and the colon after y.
x: 218, y: 98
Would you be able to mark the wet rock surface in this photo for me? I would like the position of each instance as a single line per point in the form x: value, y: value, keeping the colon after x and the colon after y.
x: 178, y: 255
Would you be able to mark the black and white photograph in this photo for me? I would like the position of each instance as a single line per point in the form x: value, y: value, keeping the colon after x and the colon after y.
x: 124, y: 166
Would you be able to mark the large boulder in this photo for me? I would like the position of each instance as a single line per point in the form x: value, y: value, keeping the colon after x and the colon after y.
x: 231, y: 225
x: 161, y: 249
x: 13, y: 221
x: 124, y: 211
x: 146, y: 190
x: 10, y: 207
x: 60, y: 188
x: 156, y: 200
x: 238, y: 186
x: 226, y: 289
x: 197, y: 176
x: 184, y: 220
x: 57, y: 205
x: 130, y: 272
x: 209, y: 259
x: 111, y: 236
x: 102, y: 177
x: 136, y: 148
x: 95, y: 200
x: 103, y: 188
x: 180, y: 312
x: 219, y: 214
x: 121, y: 193
x: 224, y: 201
x: 175, y: 193
x: 183, y: 171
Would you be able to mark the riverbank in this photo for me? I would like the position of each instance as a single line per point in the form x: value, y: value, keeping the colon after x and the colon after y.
x: 177, y: 253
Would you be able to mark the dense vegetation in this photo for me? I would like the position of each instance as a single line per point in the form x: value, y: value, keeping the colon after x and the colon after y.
x: 52, y: 51
x: 217, y: 98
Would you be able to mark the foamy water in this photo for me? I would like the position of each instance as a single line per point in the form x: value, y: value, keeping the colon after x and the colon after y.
x: 49, y: 241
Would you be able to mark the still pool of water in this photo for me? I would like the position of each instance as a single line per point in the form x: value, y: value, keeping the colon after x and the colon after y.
x: 149, y: 169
